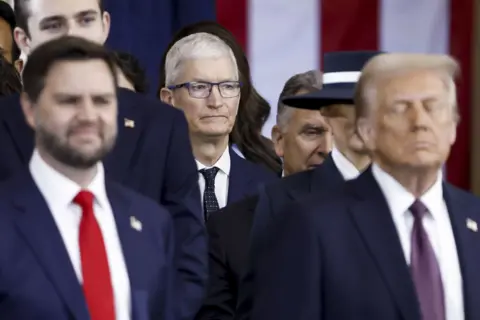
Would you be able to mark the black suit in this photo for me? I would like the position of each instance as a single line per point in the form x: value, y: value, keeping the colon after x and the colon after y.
x: 153, y: 156
x: 229, y: 236
x: 338, y: 256
x: 271, y: 204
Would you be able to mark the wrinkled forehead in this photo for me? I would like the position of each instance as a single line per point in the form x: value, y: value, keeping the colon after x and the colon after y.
x: 41, y: 9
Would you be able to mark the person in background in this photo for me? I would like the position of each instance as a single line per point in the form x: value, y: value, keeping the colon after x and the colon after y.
x: 153, y: 155
x: 10, y: 82
x: 253, y: 111
x: 131, y: 75
x: 8, y: 48
x: 202, y: 80
x: 398, y: 242
x: 335, y: 102
x: 304, y: 141
x: 64, y: 227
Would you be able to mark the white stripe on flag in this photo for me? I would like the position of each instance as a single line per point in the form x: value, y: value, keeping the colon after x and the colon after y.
x: 283, y: 40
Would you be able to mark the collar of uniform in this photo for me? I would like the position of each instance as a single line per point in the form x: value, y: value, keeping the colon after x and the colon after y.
x: 399, y: 199
x: 57, y: 189
x: 223, y: 163
x: 346, y: 168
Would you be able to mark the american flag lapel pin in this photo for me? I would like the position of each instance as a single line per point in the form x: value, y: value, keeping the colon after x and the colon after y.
x: 129, y: 123
x: 472, y: 225
x: 135, y: 223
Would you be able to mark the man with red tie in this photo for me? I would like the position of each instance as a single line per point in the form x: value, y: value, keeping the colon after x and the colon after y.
x: 73, y: 244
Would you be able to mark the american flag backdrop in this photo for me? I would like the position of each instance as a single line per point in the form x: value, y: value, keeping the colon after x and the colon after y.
x: 284, y: 37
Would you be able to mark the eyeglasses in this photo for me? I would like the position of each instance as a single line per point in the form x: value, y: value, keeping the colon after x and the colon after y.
x: 202, y: 90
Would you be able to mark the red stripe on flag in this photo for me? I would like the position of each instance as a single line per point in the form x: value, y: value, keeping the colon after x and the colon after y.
x: 349, y: 25
x: 233, y: 15
x: 461, y: 39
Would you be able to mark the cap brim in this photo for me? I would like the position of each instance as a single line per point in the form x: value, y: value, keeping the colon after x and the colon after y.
x: 322, y: 98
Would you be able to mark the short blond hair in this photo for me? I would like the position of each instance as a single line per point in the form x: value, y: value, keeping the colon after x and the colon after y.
x: 388, y: 65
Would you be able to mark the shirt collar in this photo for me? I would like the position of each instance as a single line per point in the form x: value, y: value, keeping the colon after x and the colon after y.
x: 346, y: 168
x: 58, y: 189
x: 399, y: 199
x: 223, y: 163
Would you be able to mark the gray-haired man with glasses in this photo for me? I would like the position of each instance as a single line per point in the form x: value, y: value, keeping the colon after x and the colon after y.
x: 202, y: 79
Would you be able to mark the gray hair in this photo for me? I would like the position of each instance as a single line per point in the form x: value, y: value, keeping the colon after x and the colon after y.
x: 200, y: 45
x: 309, y: 81
x: 386, y: 65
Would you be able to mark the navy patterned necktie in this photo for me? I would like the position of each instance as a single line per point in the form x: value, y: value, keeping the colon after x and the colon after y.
x: 425, y: 269
x: 210, y: 203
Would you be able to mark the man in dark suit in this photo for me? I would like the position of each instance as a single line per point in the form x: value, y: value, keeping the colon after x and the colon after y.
x: 347, y: 159
x: 153, y: 154
x: 302, y: 138
x: 202, y: 79
x: 76, y: 245
x: 398, y: 242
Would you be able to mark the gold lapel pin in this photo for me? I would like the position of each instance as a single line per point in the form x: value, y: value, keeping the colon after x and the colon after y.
x: 129, y: 123
x: 135, y: 224
x: 472, y: 225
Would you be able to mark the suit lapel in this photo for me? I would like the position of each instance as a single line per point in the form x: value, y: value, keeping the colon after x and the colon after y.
x: 372, y: 217
x: 462, y: 211
x: 129, y: 229
x: 239, y: 182
x: 130, y: 125
x: 36, y: 224
x: 21, y: 134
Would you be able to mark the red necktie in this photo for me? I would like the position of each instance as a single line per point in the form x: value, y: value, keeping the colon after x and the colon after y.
x: 97, y: 285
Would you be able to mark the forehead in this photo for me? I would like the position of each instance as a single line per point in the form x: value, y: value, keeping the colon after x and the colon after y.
x: 302, y: 116
x: 40, y: 9
x: 80, y: 77
x: 208, y: 69
x: 414, y: 85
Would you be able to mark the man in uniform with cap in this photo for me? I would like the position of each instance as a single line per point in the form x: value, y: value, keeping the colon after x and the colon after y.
x: 348, y: 158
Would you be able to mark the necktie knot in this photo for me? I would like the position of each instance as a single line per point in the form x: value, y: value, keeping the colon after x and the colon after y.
x: 84, y: 199
x: 209, y: 175
x: 418, y: 210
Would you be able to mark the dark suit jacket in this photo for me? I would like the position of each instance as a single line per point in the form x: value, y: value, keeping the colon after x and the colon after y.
x: 338, y: 256
x: 153, y: 157
x: 229, y: 234
x: 272, y: 202
x: 37, y: 279
x: 145, y: 28
x: 246, y: 178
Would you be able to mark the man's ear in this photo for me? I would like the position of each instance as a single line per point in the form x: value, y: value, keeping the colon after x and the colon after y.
x: 278, y: 140
x: 366, y: 132
x: 106, y: 21
x: 166, y: 95
x: 22, y: 40
x: 28, y: 109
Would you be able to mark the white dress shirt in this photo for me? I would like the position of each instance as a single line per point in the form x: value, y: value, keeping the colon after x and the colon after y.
x: 346, y: 168
x: 439, y: 229
x: 59, y: 192
x: 221, y: 179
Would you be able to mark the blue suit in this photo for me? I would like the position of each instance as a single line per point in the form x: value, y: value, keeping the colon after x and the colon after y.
x: 271, y: 205
x: 152, y: 156
x: 38, y: 280
x: 338, y: 256
x: 246, y: 178
x: 145, y: 28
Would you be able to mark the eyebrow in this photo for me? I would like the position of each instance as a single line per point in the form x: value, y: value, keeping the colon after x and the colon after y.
x: 61, y: 17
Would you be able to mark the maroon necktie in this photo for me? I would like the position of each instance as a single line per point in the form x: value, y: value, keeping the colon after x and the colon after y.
x: 424, y: 268
x: 97, y: 286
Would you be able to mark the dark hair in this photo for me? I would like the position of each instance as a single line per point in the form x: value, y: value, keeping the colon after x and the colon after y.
x: 22, y: 13
x: 66, y: 48
x: 309, y: 81
x: 9, y: 78
x: 132, y: 70
x: 6, y: 13
x: 253, y: 109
